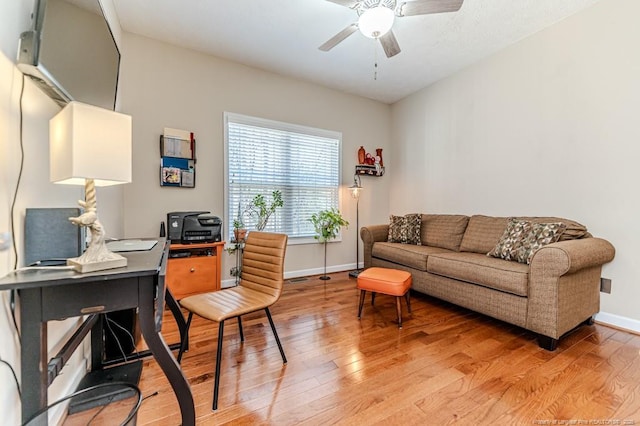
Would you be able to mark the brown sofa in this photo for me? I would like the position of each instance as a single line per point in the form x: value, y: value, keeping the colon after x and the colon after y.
x: 556, y: 292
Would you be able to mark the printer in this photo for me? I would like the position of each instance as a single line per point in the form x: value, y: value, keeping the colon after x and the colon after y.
x: 193, y: 227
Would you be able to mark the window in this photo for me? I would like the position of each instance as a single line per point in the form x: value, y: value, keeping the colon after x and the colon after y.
x: 262, y: 156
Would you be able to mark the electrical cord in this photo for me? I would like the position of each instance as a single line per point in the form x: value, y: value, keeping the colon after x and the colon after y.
x: 13, y: 372
x: 20, y: 169
x: 12, y: 298
x: 150, y: 395
x: 56, y: 261
x: 109, y: 321
x: 15, y: 378
x: 42, y: 268
x: 133, y: 341
x: 109, y: 401
x: 12, y: 308
x: 126, y: 421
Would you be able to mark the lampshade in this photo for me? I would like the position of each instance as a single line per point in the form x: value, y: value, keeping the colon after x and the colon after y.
x: 356, y: 187
x: 88, y: 142
x: 376, y: 22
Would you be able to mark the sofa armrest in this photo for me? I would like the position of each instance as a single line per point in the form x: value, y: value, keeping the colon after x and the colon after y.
x: 566, y: 257
x: 564, y: 284
x: 371, y: 234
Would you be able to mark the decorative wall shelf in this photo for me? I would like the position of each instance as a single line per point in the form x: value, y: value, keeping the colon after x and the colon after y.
x: 369, y: 170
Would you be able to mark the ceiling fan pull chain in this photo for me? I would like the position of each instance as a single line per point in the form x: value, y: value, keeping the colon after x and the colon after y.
x: 375, y: 62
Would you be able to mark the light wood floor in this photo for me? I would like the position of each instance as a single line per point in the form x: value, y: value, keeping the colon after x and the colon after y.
x: 447, y: 365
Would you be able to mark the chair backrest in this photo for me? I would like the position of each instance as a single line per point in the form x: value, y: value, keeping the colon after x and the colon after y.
x: 263, y: 262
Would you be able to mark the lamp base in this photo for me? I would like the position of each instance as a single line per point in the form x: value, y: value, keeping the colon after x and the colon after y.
x: 97, y: 258
x: 355, y: 273
x: 98, y: 265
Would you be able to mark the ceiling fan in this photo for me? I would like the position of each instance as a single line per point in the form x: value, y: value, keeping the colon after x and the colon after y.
x: 376, y: 18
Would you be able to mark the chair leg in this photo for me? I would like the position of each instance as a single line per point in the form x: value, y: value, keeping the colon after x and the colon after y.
x: 373, y: 298
x: 275, y: 333
x: 173, y: 305
x: 240, y: 327
x: 399, y: 309
x: 216, y: 383
x: 362, y: 293
x: 185, y: 339
x: 406, y: 295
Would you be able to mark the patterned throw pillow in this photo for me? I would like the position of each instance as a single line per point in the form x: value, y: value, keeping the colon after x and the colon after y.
x: 540, y: 235
x: 510, y: 246
x: 405, y: 229
x: 522, y: 238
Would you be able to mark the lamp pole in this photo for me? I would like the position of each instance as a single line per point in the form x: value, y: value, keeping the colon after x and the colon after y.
x: 355, y: 193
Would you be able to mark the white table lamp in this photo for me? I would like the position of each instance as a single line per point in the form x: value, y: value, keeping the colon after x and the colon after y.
x: 91, y: 146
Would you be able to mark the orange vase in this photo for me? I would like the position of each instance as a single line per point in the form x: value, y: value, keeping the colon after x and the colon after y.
x: 361, y: 155
x: 379, y: 154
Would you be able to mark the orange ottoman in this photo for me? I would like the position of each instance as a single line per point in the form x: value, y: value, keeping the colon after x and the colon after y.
x: 392, y: 282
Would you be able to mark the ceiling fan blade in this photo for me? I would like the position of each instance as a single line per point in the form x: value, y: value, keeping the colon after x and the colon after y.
x: 424, y: 7
x: 390, y: 44
x: 346, y: 3
x: 333, y: 41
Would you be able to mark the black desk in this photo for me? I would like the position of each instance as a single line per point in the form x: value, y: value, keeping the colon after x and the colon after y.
x: 52, y: 295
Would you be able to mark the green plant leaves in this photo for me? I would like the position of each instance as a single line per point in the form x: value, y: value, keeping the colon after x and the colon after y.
x: 327, y: 224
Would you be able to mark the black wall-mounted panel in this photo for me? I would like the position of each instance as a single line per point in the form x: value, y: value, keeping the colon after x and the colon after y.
x: 48, y: 234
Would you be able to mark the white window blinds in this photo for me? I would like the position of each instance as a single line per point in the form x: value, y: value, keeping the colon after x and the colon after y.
x: 263, y: 156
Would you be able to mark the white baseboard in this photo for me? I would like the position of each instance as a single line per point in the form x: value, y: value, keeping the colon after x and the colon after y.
x: 301, y: 273
x: 618, y: 321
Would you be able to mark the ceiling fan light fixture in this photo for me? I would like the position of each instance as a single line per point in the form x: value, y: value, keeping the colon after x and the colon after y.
x: 376, y: 22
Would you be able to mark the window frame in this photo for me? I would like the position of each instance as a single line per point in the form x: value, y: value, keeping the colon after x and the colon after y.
x: 284, y: 126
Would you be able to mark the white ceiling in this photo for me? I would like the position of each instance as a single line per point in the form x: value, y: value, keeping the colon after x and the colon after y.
x: 283, y: 36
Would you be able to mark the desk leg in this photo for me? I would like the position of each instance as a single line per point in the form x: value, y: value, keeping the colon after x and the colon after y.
x: 33, y: 355
x: 161, y: 352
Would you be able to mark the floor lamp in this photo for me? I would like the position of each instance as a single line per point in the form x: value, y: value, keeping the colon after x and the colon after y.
x: 355, y: 193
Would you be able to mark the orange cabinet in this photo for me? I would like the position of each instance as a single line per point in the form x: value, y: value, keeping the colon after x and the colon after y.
x: 194, y: 268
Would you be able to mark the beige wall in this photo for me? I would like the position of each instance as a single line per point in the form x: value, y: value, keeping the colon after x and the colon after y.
x: 165, y: 86
x: 548, y: 126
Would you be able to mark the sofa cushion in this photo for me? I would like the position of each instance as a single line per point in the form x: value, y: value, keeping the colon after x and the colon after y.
x: 511, y: 243
x: 443, y: 230
x: 405, y: 254
x: 405, y: 229
x: 540, y: 235
x: 476, y: 268
x: 483, y: 233
x: 522, y: 238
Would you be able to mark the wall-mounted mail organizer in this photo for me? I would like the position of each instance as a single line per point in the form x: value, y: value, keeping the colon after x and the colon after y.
x: 177, y: 158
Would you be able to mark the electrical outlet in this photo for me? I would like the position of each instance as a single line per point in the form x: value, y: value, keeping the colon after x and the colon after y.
x: 605, y: 285
x: 5, y: 241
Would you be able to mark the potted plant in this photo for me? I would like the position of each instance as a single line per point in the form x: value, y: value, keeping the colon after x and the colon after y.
x: 239, y: 230
x: 239, y: 235
x: 327, y: 224
x: 264, y: 210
